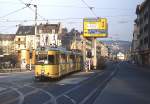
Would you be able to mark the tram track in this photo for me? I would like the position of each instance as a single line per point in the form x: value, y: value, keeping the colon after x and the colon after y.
x: 83, y: 84
x: 55, y: 93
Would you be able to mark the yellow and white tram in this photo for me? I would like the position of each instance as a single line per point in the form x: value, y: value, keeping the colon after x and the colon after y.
x: 55, y: 62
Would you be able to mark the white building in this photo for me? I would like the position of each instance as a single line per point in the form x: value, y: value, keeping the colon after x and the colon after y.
x: 26, y: 42
x: 121, y: 56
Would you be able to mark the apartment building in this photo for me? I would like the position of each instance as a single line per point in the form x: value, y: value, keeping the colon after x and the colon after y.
x: 143, y: 33
x: 26, y: 41
x: 141, y: 38
x: 7, y: 44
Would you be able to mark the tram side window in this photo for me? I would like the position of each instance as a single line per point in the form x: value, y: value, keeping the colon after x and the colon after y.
x: 51, y: 59
x: 63, y: 58
x: 72, y: 58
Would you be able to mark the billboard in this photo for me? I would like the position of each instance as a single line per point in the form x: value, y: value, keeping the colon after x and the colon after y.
x: 95, y: 27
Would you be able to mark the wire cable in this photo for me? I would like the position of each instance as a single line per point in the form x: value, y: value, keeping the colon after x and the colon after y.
x: 38, y: 14
x: 73, y: 6
x: 13, y: 12
x: 90, y: 8
x: 28, y: 5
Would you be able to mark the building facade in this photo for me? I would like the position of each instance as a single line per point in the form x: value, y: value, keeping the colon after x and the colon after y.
x: 141, y: 37
x: 7, y: 44
x: 26, y: 41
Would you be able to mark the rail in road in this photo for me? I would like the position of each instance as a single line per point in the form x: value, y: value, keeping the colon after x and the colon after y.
x: 78, y: 88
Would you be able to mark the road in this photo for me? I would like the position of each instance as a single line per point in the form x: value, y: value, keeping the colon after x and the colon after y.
x: 130, y: 85
x: 78, y: 88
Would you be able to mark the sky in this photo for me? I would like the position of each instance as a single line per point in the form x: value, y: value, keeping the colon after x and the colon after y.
x: 120, y: 14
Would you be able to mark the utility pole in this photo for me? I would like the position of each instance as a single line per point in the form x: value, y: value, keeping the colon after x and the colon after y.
x: 75, y: 40
x: 35, y: 32
x: 35, y: 23
x: 35, y: 40
x: 94, y: 50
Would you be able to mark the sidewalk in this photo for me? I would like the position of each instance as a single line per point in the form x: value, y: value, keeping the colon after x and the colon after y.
x: 129, y: 86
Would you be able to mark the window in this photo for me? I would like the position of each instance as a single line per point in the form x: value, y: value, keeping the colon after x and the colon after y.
x: 63, y: 58
x: 145, y: 40
x: 18, y: 45
x: 41, y: 59
x: 18, y: 39
x: 51, y: 59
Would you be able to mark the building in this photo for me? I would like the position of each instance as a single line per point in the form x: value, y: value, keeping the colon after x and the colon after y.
x: 26, y: 41
x: 84, y: 45
x: 7, y: 44
x: 120, y: 56
x: 141, y: 37
x: 49, y: 34
x: 135, y: 43
x: 104, y: 50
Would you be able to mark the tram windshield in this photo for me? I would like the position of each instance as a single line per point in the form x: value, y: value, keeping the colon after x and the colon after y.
x: 41, y: 59
x: 45, y: 59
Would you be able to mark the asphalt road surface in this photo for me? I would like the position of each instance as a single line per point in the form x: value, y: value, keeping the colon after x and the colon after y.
x: 130, y: 85
x: 78, y: 88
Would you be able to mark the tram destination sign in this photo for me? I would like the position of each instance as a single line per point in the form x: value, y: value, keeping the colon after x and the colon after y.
x: 95, y: 27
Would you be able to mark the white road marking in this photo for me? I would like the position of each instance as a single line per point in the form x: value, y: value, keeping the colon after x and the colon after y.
x: 3, y: 76
x: 21, y: 96
x: 48, y: 93
x: 7, y: 91
x: 72, y: 100
x: 71, y: 81
x: 94, y: 91
x: 76, y: 87
x: 2, y: 88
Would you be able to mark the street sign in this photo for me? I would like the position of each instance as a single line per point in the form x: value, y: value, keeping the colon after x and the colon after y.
x: 95, y: 27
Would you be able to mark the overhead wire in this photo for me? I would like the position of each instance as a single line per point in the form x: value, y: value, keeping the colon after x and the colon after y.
x: 13, y: 12
x: 62, y: 19
x: 90, y: 8
x: 73, y: 6
x: 28, y: 5
x: 38, y: 14
x: 8, y: 27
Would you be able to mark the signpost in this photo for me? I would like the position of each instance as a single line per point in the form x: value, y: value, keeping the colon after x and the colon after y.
x: 95, y: 28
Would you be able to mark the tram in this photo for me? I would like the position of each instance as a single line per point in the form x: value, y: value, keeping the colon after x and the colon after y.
x: 54, y: 63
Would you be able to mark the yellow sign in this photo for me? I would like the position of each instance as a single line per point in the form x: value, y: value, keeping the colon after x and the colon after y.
x: 95, y: 27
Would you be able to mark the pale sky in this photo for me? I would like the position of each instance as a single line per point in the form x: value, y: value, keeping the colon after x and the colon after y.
x: 120, y: 14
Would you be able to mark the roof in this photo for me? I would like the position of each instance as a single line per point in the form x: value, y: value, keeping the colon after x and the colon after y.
x: 47, y: 28
x: 25, y: 30
x: 9, y: 37
x: 44, y: 28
